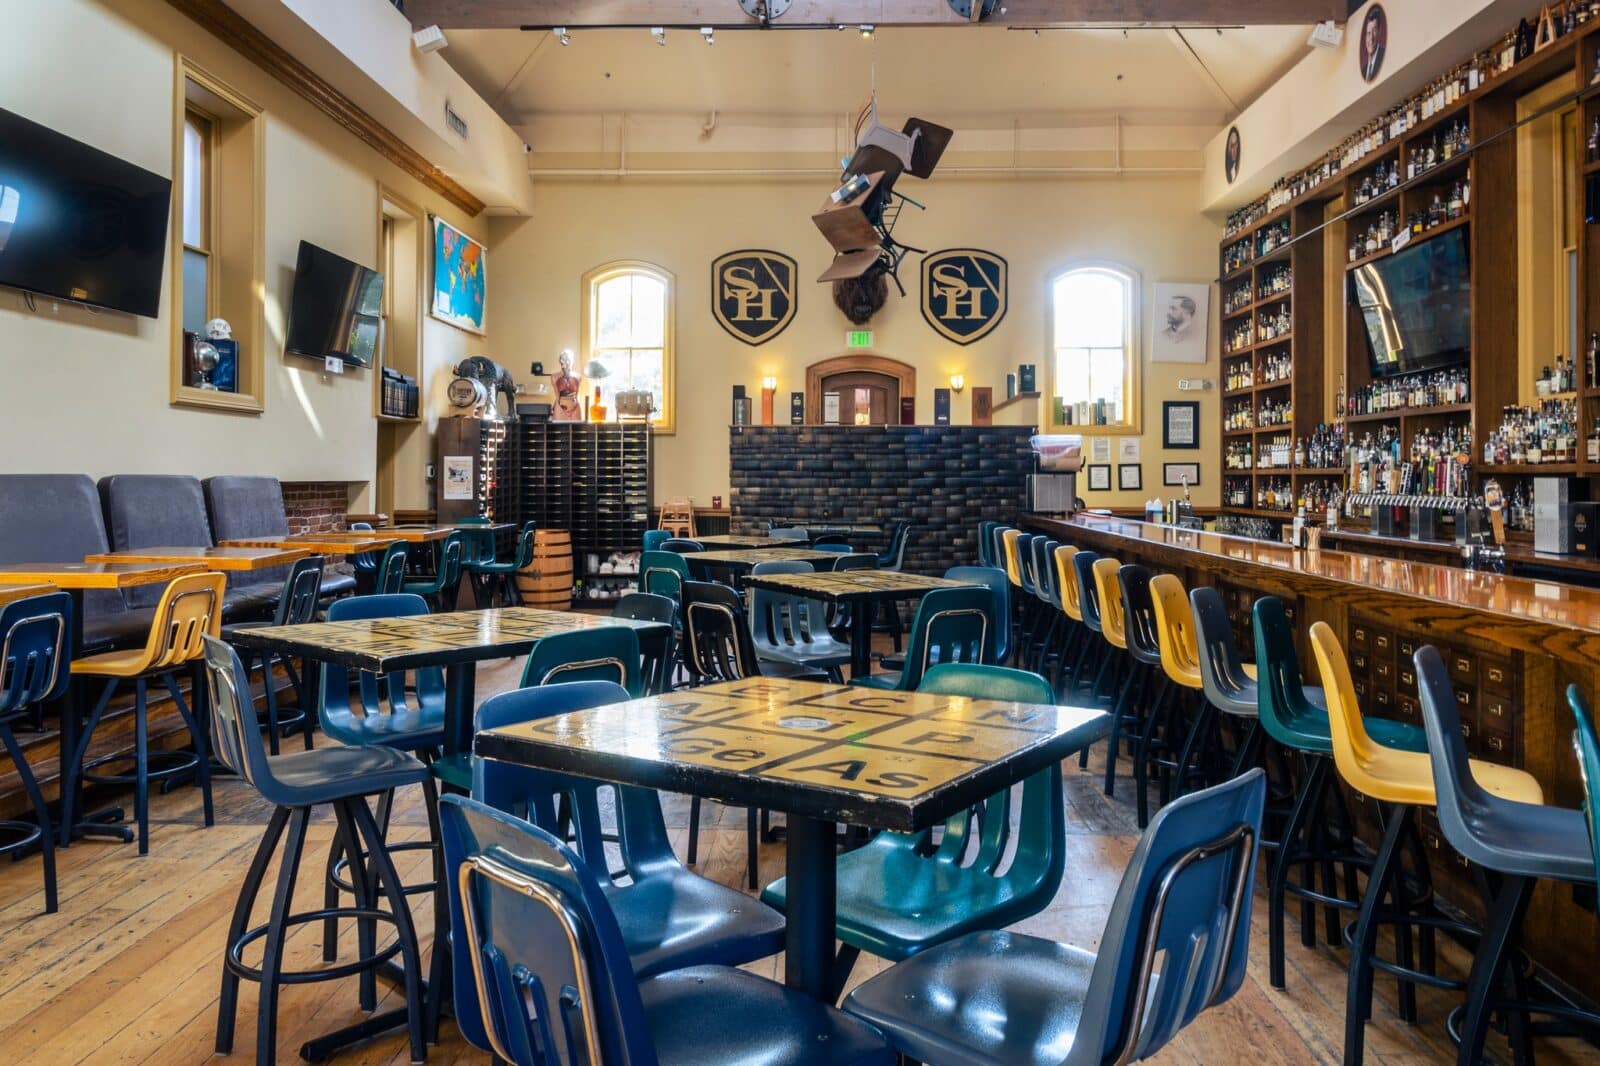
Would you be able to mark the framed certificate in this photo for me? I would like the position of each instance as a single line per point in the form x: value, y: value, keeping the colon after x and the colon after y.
x: 1180, y: 424
x: 1099, y: 477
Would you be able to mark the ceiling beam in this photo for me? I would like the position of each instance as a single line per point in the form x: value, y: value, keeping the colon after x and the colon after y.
x: 727, y: 14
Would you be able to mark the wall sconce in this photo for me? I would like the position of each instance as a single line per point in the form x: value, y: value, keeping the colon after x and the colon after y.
x: 957, y: 382
x: 769, y: 389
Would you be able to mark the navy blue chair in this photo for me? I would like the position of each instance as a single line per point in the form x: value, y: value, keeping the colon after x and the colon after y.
x: 1007, y: 999
x: 297, y: 605
x: 792, y: 629
x: 669, y: 918
x: 986, y: 543
x: 295, y: 784
x: 657, y: 656
x: 34, y: 636
x: 682, y: 545
x: 391, y: 574
x: 549, y: 967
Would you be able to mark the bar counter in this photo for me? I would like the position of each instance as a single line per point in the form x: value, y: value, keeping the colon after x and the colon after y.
x: 1513, y: 645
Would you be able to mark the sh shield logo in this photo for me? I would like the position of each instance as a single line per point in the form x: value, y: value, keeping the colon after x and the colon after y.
x: 752, y: 294
x: 963, y: 293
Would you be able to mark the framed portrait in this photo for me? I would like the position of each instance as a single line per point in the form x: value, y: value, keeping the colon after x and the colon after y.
x: 1180, y: 474
x: 460, y: 286
x: 1230, y: 155
x: 1099, y: 477
x: 1180, y: 424
x: 1374, y: 43
x: 1181, y: 310
x: 1130, y: 476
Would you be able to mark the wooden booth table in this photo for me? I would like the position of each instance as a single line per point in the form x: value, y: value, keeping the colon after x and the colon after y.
x: 231, y: 559
x: 338, y: 544
x: 739, y: 562
x: 864, y: 589
x: 821, y: 753
x: 74, y: 579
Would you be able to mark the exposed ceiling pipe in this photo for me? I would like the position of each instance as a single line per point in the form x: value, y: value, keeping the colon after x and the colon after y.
x: 623, y: 171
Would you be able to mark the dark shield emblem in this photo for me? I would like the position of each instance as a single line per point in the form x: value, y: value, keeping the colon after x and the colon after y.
x: 752, y: 293
x: 963, y: 293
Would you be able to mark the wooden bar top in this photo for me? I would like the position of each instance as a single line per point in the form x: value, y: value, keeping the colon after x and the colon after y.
x: 1546, y: 617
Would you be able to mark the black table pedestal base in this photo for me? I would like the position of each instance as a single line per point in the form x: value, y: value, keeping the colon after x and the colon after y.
x: 812, y: 900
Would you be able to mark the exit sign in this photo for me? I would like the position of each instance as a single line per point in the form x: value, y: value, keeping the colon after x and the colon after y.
x: 858, y: 338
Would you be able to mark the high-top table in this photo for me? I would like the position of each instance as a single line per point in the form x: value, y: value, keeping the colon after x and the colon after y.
x: 863, y: 589
x: 338, y: 544
x: 74, y: 579
x: 821, y: 753
x: 227, y: 558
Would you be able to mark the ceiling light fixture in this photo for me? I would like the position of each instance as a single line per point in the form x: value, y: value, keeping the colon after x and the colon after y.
x: 866, y: 31
x: 660, y: 34
x: 709, y: 33
x: 1326, y: 35
x: 429, y: 39
x: 563, y: 36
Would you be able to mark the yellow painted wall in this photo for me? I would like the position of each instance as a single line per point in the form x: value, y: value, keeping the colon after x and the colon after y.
x: 88, y: 393
x: 1151, y: 224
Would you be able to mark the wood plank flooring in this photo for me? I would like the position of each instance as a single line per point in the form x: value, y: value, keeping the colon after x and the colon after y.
x: 128, y: 971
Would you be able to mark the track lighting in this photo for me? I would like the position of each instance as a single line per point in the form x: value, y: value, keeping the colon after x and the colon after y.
x: 709, y: 33
x: 563, y: 36
x: 866, y: 31
x: 660, y: 34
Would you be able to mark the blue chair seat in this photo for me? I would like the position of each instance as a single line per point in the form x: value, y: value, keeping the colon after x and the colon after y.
x: 951, y: 990
x: 717, y: 1014
x: 412, y: 729
x: 898, y: 900
x: 307, y: 778
x: 674, y: 915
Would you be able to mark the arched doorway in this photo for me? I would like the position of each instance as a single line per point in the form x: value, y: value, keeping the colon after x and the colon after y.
x: 869, y: 388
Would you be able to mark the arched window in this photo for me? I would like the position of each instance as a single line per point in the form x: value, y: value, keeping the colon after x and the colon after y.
x: 1094, y: 350
x: 627, y: 333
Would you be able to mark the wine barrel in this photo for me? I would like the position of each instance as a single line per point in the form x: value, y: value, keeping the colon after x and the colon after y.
x: 547, y: 580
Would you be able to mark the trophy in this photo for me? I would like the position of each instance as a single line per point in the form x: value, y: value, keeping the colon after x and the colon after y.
x: 206, y: 358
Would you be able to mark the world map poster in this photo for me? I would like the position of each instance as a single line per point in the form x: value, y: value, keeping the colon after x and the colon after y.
x: 459, y: 280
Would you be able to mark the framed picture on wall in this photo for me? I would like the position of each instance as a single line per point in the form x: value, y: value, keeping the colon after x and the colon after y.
x: 1130, y: 476
x: 1180, y: 424
x: 460, y: 285
x: 1099, y: 477
x: 1180, y: 474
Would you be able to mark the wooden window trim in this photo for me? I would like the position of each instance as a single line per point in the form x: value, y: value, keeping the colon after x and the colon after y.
x: 392, y: 208
x: 1133, y: 351
x: 237, y: 251
x: 668, y: 423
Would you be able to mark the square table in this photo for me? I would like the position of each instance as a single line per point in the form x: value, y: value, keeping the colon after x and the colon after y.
x: 338, y: 544
x: 456, y: 640
x: 73, y: 579
x: 224, y: 558
x: 862, y: 588
x: 821, y: 753
x: 747, y: 541
x: 738, y: 562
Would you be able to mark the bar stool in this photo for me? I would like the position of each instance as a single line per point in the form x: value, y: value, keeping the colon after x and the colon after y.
x: 1399, y: 781
x: 34, y: 635
x: 986, y: 543
x: 1295, y: 716
x: 1152, y: 687
x: 189, y: 610
x: 1514, y: 845
x: 1040, y: 566
x: 295, y: 784
x: 1180, y: 661
x: 1089, y: 606
x: 297, y: 605
x: 1109, y: 596
x: 1008, y: 538
x: 1071, y: 608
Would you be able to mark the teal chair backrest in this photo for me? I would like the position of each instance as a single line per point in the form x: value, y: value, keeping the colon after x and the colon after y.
x: 655, y: 538
x: 663, y: 573
x: 395, y: 693
x: 452, y: 553
x: 1286, y: 713
x: 606, y: 653
x: 986, y: 543
x: 477, y: 545
x: 950, y: 626
x: 1587, y: 746
x: 1000, y: 586
x: 392, y: 570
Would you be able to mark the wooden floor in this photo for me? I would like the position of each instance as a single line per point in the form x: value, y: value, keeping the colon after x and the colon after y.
x: 128, y: 971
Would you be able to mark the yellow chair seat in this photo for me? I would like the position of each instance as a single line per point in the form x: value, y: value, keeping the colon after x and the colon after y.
x: 1384, y: 773
x: 1109, y: 588
x: 1067, y: 579
x: 1249, y: 670
x: 1180, y: 647
x: 1013, y: 566
x: 112, y: 664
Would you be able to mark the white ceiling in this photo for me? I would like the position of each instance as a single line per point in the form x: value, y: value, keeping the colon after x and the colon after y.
x: 938, y: 73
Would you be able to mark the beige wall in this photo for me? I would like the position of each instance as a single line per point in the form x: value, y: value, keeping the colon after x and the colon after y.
x: 89, y: 393
x: 1150, y: 224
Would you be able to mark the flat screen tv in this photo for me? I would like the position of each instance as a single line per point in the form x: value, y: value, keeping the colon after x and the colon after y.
x: 335, y: 308
x: 1417, y: 306
x: 77, y: 223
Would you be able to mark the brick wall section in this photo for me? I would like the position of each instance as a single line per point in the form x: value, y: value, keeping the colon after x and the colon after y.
x: 316, y: 506
x: 944, y: 480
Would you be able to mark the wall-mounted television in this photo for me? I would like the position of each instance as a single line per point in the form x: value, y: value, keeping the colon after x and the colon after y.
x: 1417, y: 306
x: 335, y: 308
x: 77, y: 223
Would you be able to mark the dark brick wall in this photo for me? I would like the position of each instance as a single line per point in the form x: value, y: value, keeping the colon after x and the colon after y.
x: 944, y: 480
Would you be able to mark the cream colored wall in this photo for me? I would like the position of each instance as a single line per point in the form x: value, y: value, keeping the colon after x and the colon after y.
x: 1151, y: 224
x: 88, y: 393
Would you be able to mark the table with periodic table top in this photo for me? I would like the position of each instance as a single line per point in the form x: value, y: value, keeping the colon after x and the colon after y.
x: 822, y: 753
